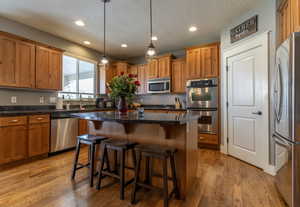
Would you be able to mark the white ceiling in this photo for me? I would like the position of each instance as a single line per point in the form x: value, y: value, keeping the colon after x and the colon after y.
x: 128, y: 21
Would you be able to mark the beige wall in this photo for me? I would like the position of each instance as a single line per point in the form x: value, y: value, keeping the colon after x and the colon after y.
x: 29, y: 97
x: 266, y: 12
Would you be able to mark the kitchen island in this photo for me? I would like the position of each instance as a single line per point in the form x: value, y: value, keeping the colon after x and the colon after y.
x: 173, y: 130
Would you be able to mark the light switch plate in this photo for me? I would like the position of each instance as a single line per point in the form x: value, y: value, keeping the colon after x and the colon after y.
x: 13, y: 99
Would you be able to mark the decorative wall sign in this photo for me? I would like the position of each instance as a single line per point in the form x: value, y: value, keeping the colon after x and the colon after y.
x: 245, y: 29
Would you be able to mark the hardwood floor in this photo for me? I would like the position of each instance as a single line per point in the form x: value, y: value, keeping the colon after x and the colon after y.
x: 223, y: 182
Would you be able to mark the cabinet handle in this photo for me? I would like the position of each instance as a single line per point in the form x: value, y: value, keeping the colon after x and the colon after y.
x: 201, y: 138
x: 13, y: 121
x: 39, y: 118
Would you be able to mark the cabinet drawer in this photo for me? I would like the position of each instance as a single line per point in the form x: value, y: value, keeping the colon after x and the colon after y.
x: 39, y: 119
x: 208, y: 139
x: 13, y: 121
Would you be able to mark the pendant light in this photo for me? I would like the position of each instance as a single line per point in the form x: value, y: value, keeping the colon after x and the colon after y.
x: 104, y: 59
x: 151, y: 52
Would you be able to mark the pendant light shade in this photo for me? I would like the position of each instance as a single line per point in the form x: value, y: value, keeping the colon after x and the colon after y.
x: 151, y: 51
x: 104, y: 59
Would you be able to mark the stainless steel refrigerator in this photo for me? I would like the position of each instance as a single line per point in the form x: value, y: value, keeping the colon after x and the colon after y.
x: 287, y: 119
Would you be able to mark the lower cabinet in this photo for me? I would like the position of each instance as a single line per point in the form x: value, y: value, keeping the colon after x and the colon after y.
x: 23, y: 137
x: 83, y: 127
x: 38, y: 139
x: 13, y: 139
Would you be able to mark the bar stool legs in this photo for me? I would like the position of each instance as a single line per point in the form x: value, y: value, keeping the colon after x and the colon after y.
x: 137, y: 177
x: 75, y: 160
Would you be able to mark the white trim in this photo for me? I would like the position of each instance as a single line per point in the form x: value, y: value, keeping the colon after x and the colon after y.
x: 81, y: 57
x: 223, y: 149
x: 270, y: 169
x: 258, y: 40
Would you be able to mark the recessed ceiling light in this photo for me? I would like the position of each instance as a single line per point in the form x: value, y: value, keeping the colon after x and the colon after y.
x: 79, y: 23
x: 124, y: 45
x: 87, y: 42
x: 193, y: 29
x: 154, y: 38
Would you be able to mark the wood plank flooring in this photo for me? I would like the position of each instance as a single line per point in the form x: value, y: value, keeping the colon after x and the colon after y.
x: 223, y: 182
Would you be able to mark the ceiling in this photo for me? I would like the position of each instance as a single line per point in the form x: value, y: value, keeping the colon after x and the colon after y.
x: 128, y: 21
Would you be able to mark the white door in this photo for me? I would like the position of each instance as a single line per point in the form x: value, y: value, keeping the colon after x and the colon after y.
x: 248, y: 118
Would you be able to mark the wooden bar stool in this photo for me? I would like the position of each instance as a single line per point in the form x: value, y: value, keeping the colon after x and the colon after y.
x: 92, y: 141
x: 120, y: 147
x: 158, y: 152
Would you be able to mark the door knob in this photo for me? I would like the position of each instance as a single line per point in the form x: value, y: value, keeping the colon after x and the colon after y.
x: 257, y: 113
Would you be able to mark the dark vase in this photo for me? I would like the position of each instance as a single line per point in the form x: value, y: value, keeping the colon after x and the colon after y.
x: 122, y: 106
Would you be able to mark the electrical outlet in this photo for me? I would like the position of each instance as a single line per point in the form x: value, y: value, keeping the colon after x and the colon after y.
x: 13, y: 99
x: 42, y: 99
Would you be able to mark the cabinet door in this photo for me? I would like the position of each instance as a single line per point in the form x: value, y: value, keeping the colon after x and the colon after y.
x: 194, y: 66
x: 210, y: 61
x: 153, y: 69
x: 164, y: 67
x: 55, y: 70
x: 286, y: 19
x: 13, y: 143
x: 42, y: 68
x: 178, y: 76
x: 8, y: 68
x: 142, y: 77
x: 38, y: 139
x: 133, y: 70
x: 83, y: 127
x: 25, y: 65
x: 122, y: 68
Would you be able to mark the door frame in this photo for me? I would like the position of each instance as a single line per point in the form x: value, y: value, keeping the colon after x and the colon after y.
x: 261, y: 40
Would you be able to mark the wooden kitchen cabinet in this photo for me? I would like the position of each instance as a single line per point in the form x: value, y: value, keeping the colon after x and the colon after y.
x: 25, y: 64
x: 8, y: 60
x: 160, y: 67
x: 178, y: 76
x: 48, y: 68
x: 13, y: 139
x: 203, y: 61
x: 153, y: 69
x: 133, y: 69
x: 38, y: 135
x: 289, y: 18
x: 83, y: 127
x: 164, y: 67
x: 142, y: 77
x: 122, y: 67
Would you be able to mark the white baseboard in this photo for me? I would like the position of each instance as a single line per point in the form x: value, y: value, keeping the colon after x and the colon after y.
x: 223, y: 149
x: 270, y: 169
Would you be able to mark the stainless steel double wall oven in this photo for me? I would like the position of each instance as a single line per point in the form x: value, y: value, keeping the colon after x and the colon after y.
x: 202, y: 100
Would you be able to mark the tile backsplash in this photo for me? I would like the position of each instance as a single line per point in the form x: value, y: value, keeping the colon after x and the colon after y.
x: 160, y: 99
x: 26, y: 97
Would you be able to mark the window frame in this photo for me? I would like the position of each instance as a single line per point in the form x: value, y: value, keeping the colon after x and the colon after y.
x: 95, y: 79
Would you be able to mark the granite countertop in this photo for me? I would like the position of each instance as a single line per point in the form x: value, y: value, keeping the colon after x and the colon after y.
x: 162, y: 107
x: 53, y: 112
x: 133, y: 117
x: 36, y: 110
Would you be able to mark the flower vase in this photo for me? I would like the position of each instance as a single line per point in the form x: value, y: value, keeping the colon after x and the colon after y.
x: 122, y: 106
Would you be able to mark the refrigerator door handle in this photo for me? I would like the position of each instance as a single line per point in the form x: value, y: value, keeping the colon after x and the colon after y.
x: 283, y: 143
x: 278, y: 92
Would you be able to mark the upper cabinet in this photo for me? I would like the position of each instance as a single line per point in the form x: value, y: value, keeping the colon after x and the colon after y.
x: 289, y: 18
x: 142, y: 77
x: 25, y: 65
x: 178, y: 76
x: 122, y: 68
x: 17, y: 63
x: 160, y: 67
x: 133, y: 69
x: 203, y: 61
x: 153, y: 69
x: 48, y: 68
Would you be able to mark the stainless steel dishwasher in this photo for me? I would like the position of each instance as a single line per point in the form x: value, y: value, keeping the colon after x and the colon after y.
x: 64, y: 132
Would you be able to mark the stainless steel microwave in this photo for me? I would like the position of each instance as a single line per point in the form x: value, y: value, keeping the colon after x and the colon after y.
x: 159, y: 86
